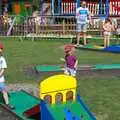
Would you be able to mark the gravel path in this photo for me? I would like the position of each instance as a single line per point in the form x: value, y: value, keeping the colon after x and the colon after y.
x: 30, y: 88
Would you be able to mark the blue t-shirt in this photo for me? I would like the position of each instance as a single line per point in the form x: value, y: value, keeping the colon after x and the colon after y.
x: 82, y: 15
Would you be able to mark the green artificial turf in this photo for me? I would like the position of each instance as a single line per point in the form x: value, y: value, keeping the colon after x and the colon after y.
x: 49, y: 68
x: 107, y: 66
x: 75, y: 107
x: 45, y: 68
x: 22, y: 102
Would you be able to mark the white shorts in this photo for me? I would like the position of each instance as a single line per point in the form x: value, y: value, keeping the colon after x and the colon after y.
x: 107, y: 33
x: 70, y: 71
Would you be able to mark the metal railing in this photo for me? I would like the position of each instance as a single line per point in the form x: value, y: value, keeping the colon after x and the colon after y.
x: 43, y: 26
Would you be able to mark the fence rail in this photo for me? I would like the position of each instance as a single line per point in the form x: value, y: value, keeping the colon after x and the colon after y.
x: 47, y: 25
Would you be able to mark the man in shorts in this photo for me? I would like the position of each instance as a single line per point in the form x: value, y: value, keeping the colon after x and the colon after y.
x: 82, y: 15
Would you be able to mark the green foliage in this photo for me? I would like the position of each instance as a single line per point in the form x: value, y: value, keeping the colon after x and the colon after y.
x: 36, y: 5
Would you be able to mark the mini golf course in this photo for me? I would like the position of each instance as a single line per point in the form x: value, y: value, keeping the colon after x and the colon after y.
x: 22, y: 101
x: 112, y: 48
x: 58, y: 68
x: 27, y: 107
x: 103, y: 71
x: 76, y: 109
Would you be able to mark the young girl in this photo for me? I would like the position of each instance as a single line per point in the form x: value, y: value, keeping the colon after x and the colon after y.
x: 3, y: 66
x: 108, y: 28
x: 118, y: 31
x: 71, y: 60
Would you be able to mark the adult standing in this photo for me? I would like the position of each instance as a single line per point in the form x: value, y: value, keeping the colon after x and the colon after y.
x: 83, y: 16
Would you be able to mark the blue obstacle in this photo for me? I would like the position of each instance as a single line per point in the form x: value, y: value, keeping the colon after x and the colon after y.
x: 113, y: 48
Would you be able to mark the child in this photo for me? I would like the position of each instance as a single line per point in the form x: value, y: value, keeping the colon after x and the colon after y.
x: 108, y: 28
x: 70, y: 59
x: 118, y: 31
x: 3, y: 66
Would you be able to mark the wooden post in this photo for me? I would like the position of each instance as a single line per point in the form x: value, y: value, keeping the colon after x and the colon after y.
x: 63, y: 26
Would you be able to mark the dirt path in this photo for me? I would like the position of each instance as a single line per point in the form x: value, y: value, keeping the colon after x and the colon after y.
x: 30, y: 88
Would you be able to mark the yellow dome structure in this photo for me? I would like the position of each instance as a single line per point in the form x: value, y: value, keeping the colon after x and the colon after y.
x: 58, y: 88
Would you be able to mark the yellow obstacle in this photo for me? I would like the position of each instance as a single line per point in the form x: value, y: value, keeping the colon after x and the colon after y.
x: 58, y: 87
x: 98, y: 47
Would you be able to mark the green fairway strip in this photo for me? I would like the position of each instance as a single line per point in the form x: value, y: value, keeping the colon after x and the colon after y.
x: 109, y: 66
x: 42, y: 68
x: 75, y: 107
x: 22, y: 102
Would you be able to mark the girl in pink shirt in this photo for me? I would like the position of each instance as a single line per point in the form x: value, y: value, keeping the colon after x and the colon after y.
x: 108, y: 28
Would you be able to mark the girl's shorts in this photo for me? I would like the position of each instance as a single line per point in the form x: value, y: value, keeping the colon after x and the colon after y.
x: 70, y: 71
x: 2, y: 86
x: 107, y: 33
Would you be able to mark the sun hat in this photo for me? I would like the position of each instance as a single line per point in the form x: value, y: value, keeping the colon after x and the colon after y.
x: 1, y: 45
x: 68, y: 47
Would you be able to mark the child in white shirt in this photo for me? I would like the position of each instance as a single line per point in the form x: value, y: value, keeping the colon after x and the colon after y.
x: 3, y: 66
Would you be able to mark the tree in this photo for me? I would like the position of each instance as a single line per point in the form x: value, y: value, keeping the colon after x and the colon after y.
x: 36, y: 5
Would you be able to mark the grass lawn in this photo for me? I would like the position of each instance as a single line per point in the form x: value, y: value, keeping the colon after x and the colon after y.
x: 101, y: 94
